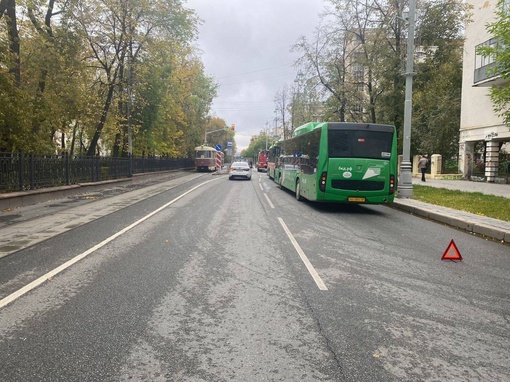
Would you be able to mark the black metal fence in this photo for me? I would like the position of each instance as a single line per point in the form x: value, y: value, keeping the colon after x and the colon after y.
x: 22, y: 171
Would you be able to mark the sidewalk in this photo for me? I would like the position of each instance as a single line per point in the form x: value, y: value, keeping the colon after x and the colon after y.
x: 476, y: 224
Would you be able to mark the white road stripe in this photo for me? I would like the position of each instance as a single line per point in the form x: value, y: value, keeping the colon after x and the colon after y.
x: 305, y: 260
x: 268, y: 200
x: 34, y: 284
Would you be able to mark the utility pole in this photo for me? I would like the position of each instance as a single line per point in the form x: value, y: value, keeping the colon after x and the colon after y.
x: 405, y: 185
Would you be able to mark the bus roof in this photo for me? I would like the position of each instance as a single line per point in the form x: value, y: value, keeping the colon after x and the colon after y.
x: 360, y: 125
x: 306, y: 128
x: 310, y: 126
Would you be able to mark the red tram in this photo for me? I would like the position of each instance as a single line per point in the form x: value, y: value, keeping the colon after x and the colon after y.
x: 206, y: 158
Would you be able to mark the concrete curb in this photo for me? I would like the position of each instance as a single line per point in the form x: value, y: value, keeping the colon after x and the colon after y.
x: 492, y: 228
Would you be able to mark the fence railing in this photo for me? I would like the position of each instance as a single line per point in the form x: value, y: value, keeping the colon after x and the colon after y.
x: 22, y: 171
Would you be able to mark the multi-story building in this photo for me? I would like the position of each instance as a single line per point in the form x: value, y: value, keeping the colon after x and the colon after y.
x: 482, y: 132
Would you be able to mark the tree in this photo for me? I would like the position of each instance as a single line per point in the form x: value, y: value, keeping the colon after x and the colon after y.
x: 256, y: 145
x: 43, y: 86
x: 356, y: 56
x: 500, y: 52
x: 8, y: 8
x: 119, y: 34
x: 221, y: 134
x: 326, y: 62
x: 283, y: 104
x: 437, y: 86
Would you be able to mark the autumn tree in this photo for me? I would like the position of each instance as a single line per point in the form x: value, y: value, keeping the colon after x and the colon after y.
x: 119, y: 35
x: 221, y: 133
x: 43, y: 87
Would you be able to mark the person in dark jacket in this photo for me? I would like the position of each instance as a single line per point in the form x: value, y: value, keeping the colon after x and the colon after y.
x: 422, y: 165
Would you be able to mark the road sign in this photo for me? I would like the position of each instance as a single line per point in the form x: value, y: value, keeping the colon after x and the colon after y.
x: 229, y: 143
x: 452, y: 252
x: 218, y: 147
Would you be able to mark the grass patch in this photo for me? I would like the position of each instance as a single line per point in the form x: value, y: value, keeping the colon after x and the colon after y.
x: 496, y: 207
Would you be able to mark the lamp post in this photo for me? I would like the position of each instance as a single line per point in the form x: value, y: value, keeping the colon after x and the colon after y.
x: 405, y: 185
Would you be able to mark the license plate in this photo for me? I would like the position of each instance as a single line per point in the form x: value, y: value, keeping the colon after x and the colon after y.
x: 357, y: 200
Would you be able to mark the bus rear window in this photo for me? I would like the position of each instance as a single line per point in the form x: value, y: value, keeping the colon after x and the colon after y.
x: 359, y: 144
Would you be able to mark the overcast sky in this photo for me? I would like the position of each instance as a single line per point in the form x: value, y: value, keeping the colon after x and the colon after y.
x: 246, y: 48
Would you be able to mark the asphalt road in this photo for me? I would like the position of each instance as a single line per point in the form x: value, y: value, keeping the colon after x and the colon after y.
x: 205, y: 279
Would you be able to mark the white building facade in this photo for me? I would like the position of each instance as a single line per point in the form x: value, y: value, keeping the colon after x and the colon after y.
x: 482, y: 132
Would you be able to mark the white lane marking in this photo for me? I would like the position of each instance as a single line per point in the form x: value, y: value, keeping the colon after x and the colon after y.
x: 305, y: 260
x: 268, y: 200
x: 34, y: 284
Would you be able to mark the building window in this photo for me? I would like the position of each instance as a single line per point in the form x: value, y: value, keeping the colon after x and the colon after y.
x: 484, y: 66
x: 481, y: 61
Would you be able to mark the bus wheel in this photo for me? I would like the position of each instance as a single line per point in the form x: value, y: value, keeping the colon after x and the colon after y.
x: 298, y: 194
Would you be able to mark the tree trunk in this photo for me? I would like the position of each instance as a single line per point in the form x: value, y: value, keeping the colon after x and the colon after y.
x: 14, y: 45
x: 100, y: 125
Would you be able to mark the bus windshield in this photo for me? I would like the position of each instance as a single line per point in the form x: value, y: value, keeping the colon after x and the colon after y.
x: 359, y: 144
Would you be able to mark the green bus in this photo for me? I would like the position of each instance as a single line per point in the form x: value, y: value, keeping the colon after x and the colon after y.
x: 340, y: 162
x: 272, y: 159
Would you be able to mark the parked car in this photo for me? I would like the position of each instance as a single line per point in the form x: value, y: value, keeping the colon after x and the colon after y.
x: 240, y: 170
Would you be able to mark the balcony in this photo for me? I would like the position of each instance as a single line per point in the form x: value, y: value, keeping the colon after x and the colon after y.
x: 485, y: 77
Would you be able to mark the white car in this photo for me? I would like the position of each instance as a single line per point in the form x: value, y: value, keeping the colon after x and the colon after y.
x: 240, y: 170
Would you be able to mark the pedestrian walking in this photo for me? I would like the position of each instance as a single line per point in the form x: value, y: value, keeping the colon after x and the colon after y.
x: 422, y: 165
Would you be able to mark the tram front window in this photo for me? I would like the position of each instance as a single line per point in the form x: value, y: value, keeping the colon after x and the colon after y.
x: 204, y: 154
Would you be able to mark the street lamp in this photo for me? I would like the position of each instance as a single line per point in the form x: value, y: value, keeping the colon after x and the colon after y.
x: 405, y: 185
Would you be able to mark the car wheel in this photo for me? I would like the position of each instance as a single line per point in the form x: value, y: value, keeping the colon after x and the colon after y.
x: 298, y: 191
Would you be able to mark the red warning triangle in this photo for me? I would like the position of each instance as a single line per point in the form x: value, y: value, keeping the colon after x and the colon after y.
x: 452, y: 252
